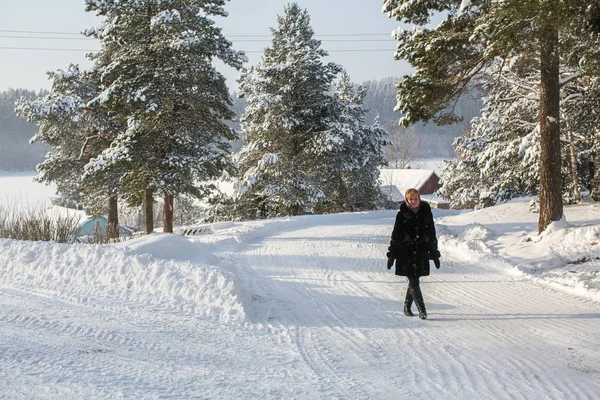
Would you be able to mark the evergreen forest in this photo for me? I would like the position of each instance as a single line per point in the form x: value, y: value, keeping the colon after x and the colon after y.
x: 511, y: 110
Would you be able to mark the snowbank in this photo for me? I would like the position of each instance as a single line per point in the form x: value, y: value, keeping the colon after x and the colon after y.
x: 565, y: 256
x: 164, y: 271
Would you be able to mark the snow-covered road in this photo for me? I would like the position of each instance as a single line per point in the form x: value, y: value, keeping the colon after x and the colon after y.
x: 323, y: 320
x: 488, y: 335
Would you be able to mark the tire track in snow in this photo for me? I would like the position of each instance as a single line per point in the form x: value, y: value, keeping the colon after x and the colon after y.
x: 332, y: 346
x: 41, y: 346
x: 506, y: 312
x: 417, y: 340
x: 76, y: 351
x: 354, y: 310
x: 331, y: 381
x: 346, y: 325
x: 344, y: 312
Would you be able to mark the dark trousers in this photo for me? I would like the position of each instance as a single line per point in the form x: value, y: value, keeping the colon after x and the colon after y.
x: 413, y: 283
x: 413, y: 293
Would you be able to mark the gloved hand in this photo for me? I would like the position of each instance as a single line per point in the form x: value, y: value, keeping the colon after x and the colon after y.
x: 435, y: 256
x: 390, y: 261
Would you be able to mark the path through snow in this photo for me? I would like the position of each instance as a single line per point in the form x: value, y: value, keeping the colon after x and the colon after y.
x: 489, y: 335
x: 322, y: 320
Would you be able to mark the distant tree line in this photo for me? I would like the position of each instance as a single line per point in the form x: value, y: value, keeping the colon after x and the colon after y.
x: 406, y: 144
x: 16, y: 153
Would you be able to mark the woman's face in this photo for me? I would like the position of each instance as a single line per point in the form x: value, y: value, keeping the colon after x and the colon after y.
x: 413, y: 200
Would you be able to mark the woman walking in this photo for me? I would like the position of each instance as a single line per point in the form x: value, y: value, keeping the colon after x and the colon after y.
x: 413, y: 244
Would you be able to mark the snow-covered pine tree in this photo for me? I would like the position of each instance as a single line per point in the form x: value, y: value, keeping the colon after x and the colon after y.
x: 100, y: 191
x: 78, y: 132
x: 286, y: 122
x: 475, y: 33
x: 499, y: 157
x: 160, y: 81
x: 57, y: 115
x: 353, y: 153
x: 580, y: 98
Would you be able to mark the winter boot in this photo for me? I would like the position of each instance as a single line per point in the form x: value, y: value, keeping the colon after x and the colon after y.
x: 418, y: 298
x: 408, y: 300
x: 421, y: 308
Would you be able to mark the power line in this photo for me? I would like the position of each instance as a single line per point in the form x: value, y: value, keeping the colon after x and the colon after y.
x: 237, y: 40
x: 325, y: 40
x: 44, y: 38
x: 40, y: 32
x: 228, y: 36
x: 323, y: 35
x: 244, y: 39
x: 42, y: 48
x: 245, y: 51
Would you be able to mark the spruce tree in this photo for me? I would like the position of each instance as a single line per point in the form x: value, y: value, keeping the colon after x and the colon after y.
x: 498, y: 157
x: 474, y: 34
x: 160, y: 81
x: 287, y: 122
x: 354, y: 154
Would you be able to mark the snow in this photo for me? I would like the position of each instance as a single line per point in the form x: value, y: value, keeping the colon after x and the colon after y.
x: 67, y: 213
x: 404, y: 179
x: 304, y: 308
x: 464, y: 4
x: 165, y: 17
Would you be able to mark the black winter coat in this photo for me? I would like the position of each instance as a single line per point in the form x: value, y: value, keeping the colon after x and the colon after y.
x: 413, y: 238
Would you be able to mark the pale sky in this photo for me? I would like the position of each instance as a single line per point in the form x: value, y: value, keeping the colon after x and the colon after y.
x: 29, y: 27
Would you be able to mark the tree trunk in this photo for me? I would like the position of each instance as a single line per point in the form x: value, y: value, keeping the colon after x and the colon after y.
x: 551, y: 205
x: 596, y: 178
x: 148, y: 211
x: 112, y: 228
x: 574, y: 169
x: 168, y: 214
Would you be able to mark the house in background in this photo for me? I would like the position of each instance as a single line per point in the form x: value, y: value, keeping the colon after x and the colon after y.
x: 396, y: 181
x: 87, y: 224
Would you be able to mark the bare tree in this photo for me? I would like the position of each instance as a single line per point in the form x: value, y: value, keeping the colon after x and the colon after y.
x: 405, y: 145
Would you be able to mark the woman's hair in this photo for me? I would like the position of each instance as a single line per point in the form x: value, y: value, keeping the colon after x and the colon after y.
x: 411, y: 191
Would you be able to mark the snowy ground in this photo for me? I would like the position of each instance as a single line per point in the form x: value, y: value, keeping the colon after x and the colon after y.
x: 304, y: 308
